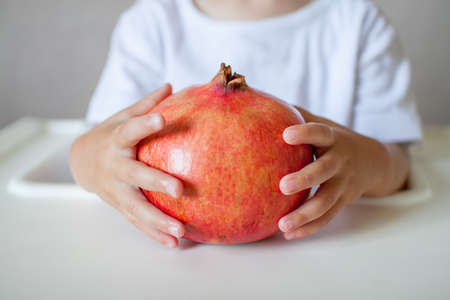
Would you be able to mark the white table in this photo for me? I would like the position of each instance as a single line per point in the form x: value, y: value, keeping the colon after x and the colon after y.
x: 68, y: 246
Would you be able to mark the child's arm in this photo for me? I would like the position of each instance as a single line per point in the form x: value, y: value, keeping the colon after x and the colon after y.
x: 348, y: 166
x: 103, y: 161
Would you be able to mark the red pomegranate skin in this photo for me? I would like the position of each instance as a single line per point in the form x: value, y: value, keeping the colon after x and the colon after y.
x: 223, y: 140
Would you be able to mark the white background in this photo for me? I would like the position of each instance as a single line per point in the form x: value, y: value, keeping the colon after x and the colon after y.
x: 52, y: 53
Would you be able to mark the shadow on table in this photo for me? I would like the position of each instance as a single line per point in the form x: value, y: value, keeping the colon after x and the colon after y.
x: 353, y: 220
x: 358, y: 220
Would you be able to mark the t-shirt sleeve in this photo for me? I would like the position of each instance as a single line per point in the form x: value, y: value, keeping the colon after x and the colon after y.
x: 134, y: 64
x: 385, y: 107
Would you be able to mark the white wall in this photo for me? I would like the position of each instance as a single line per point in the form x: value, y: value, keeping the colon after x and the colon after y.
x: 424, y: 27
x: 52, y: 53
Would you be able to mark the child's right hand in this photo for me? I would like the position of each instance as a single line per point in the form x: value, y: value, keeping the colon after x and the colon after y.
x: 103, y: 161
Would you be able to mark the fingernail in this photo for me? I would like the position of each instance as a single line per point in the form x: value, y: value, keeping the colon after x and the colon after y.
x: 170, y: 244
x: 289, y: 236
x: 175, y: 231
x: 289, y: 186
x: 172, y: 190
x: 155, y: 121
x: 290, y: 136
x: 286, y: 225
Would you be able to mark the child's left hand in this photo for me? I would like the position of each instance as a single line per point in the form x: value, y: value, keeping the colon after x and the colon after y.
x: 348, y: 166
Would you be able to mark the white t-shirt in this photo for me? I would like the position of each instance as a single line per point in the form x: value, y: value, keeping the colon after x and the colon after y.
x: 340, y: 59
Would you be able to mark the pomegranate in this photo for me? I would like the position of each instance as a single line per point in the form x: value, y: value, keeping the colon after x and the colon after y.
x: 223, y: 140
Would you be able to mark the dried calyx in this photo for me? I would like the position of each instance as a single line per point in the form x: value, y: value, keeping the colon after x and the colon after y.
x: 229, y: 81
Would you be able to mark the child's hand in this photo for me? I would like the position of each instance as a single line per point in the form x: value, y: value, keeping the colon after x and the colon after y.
x: 348, y: 166
x: 104, y: 161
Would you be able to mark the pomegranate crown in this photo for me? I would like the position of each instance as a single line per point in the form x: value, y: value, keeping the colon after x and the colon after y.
x: 229, y: 80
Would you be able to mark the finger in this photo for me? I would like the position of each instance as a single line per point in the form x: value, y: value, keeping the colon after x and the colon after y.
x: 160, y: 237
x: 316, y: 225
x: 317, y: 134
x: 314, y: 208
x: 149, y: 218
x: 130, y: 132
x: 313, y: 174
x: 138, y: 174
x: 148, y: 102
